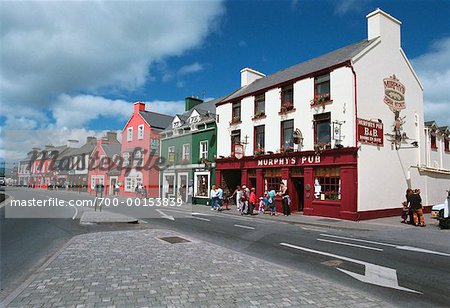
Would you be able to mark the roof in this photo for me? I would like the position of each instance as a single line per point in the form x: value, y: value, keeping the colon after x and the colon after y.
x: 330, y: 59
x: 156, y: 120
x: 111, y: 149
x: 87, y: 148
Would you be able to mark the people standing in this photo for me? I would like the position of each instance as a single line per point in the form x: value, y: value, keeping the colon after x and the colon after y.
x: 272, y: 202
x: 213, y: 196
x: 244, y: 200
x: 252, y: 201
x: 416, y: 205
x: 409, y: 192
x: 286, y: 200
x: 219, y: 198
x: 237, y: 194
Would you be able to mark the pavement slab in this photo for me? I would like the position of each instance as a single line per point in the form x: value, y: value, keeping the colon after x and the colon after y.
x: 139, y: 269
x: 105, y: 217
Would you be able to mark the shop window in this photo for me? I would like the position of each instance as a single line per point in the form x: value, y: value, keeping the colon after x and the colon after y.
x: 287, y: 135
x: 260, y: 106
x: 322, y: 129
x: 235, y: 139
x: 258, y: 145
x: 201, y: 185
x: 131, y: 182
x: 327, y: 184
x: 322, y: 88
x: 433, y: 140
x: 236, y: 113
x: 272, y: 179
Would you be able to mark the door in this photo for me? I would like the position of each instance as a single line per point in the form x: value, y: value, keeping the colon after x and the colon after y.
x: 112, y: 185
x: 182, y: 183
x: 299, y: 192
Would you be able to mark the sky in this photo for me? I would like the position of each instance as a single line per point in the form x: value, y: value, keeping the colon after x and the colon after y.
x: 70, y: 69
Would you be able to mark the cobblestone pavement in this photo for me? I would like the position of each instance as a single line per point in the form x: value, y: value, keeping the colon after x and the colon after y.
x: 138, y: 269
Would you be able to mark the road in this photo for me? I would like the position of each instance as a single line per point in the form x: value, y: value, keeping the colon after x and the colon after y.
x: 405, y: 267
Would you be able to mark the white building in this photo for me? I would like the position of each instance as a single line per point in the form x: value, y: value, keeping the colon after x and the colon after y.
x: 344, y: 130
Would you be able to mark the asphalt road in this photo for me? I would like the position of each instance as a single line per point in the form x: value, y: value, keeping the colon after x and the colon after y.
x: 385, y: 257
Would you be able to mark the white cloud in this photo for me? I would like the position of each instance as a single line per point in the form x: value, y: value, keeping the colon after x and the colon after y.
x: 433, y: 69
x: 52, y: 48
x: 191, y: 68
x: 346, y: 6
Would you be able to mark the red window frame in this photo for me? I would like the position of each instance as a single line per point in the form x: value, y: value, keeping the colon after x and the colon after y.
x: 255, y: 148
x: 235, y: 133
x: 447, y: 144
x: 325, y: 96
x: 236, y: 106
x: 433, y: 140
x: 259, y: 98
x: 282, y: 129
x: 322, y: 117
x: 285, y: 102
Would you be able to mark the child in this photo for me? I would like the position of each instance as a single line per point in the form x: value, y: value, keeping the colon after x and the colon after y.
x: 262, y: 205
x: 405, y: 211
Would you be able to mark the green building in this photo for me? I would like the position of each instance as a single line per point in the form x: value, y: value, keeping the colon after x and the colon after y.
x: 189, y: 148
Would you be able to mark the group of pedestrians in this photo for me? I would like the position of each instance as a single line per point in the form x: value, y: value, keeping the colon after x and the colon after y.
x: 412, y: 208
x: 140, y: 191
x: 247, y: 201
x: 216, y: 198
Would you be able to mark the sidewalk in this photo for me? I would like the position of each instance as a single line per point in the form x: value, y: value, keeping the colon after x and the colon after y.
x: 140, y: 269
x: 325, y: 222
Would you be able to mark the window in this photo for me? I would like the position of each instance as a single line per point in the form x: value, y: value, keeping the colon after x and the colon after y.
x: 204, y: 149
x: 322, y: 88
x: 433, y: 140
x: 236, y: 113
x: 186, y: 151
x: 272, y: 179
x: 138, y: 159
x: 126, y: 159
x: 171, y: 155
x: 260, y: 105
x: 235, y: 139
x: 287, y: 97
x: 169, y: 185
x: 447, y: 143
x: 132, y: 181
x: 201, y: 184
x: 154, y: 145
x: 141, y: 131
x: 322, y: 129
x: 327, y: 184
x: 287, y: 134
x: 130, y: 134
x: 258, y: 146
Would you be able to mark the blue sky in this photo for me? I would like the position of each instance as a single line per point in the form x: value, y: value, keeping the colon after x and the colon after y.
x: 75, y: 68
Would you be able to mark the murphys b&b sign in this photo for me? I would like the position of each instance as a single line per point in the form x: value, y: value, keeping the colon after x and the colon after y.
x: 370, y: 132
x: 394, y: 93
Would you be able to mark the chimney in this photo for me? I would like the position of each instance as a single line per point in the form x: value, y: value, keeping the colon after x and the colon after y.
x: 191, y: 102
x: 72, y: 143
x: 381, y: 24
x: 139, y: 106
x: 91, y: 139
x: 111, y: 136
x: 249, y: 75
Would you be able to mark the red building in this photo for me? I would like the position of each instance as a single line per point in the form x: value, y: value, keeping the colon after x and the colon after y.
x: 140, y: 150
x: 102, y: 171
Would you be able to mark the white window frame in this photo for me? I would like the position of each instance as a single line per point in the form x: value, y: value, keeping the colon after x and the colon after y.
x: 126, y: 158
x: 141, y: 131
x: 196, y: 174
x: 138, y: 157
x: 186, y: 154
x: 130, y: 134
x: 132, y: 181
x: 201, y: 149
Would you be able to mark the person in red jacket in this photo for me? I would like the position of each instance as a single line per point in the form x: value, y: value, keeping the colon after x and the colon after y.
x: 252, y: 201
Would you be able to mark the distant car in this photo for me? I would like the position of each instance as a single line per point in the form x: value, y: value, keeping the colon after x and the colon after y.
x: 436, y: 209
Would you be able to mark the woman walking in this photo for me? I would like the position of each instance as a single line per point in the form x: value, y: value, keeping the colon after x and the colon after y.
x: 272, y: 203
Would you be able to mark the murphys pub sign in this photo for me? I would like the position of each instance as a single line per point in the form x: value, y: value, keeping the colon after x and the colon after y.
x: 370, y: 132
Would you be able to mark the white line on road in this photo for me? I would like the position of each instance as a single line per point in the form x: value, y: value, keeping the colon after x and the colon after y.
x: 201, y: 218
x: 164, y: 215
x: 314, y: 229
x: 348, y: 244
x: 374, y: 274
x: 245, y: 227
x: 408, y: 248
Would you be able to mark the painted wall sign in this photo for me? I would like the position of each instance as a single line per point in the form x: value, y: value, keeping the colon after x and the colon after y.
x: 290, y: 161
x: 370, y: 132
x: 238, y: 151
x: 394, y: 93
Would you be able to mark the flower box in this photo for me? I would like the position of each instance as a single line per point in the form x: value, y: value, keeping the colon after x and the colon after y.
x: 259, y: 115
x: 286, y: 108
x: 322, y: 99
x: 235, y: 120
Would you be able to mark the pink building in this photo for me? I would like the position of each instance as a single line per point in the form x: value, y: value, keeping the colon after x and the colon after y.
x: 140, y: 150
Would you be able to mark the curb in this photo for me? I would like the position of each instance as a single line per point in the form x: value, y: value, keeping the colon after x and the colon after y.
x: 13, y: 295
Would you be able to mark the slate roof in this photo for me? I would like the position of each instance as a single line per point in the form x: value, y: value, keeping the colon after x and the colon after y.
x: 111, y: 149
x: 87, y: 148
x: 156, y: 120
x: 305, y: 68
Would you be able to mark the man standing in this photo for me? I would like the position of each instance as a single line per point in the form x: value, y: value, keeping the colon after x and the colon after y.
x: 219, y: 198
x: 416, y: 205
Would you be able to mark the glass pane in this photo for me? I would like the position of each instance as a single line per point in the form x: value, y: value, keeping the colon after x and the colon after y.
x: 323, y: 132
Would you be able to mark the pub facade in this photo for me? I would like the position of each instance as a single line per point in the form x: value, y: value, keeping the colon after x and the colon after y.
x: 345, y: 131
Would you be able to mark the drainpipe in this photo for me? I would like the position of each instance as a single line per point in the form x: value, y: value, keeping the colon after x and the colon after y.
x: 356, y: 101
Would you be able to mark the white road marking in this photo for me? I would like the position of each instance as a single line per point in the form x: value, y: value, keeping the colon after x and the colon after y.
x: 374, y: 274
x: 164, y: 215
x: 76, y: 211
x: 408, y: 248
x: 245, y: 227
x: 200, y: 214
x: 314, y: 229
x: 201, y: 218
x: 348, y: 244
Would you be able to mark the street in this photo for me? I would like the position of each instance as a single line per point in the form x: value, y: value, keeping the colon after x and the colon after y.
x: 401, y: 266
